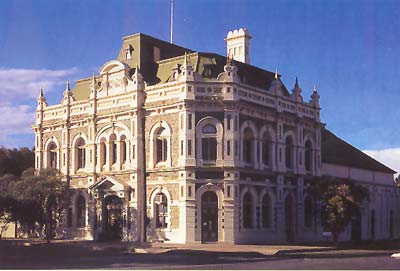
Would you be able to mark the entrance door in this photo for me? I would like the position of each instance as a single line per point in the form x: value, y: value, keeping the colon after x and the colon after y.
x: 113, y: 218
x: 209, y: 217
x: 289, y: 219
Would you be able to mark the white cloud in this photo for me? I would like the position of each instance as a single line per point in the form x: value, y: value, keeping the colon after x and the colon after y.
x: 15, y: 120
x: 389, y: 157
x: 18, y: 91
x: 18, y: 85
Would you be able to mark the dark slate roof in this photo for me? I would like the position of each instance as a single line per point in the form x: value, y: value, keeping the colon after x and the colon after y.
x: 336, y: 151
x: 207, y: 65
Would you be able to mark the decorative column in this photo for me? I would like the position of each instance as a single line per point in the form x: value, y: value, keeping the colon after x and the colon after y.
x: 279, y: 208
x: 300, y: 209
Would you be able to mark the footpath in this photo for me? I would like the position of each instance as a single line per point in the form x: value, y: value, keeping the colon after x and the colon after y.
x: 293, y: 251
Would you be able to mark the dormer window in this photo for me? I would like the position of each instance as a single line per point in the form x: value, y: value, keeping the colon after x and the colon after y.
x: 128, y: 52
x: 156, y: 53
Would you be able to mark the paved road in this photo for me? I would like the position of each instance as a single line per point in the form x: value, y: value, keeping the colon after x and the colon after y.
x: 81, y: 257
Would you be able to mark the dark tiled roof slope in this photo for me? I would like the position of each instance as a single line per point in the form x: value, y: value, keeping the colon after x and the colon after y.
x: 336, y: 151
x: 171, y: 55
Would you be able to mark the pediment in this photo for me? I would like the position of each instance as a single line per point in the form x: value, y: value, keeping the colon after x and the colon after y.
x: 107, y: 184
x: 114, y: 66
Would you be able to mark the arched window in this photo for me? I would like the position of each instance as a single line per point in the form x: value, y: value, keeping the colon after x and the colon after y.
x: 288, y: 152
x: 266, y: 149
x: 308, y: 212
x: 248, y: 139
x: 52, y: 155
x: 308, y: 156
x: 161, y: 145
x: 266, y: 211
x: 80, y: 212
x: 103, y: 152
x: 113, y: 147
x: 247, y: 210
x: 160, y: 208
x: 209, y: 143
x: 123, y: 149
x: 80, y: 153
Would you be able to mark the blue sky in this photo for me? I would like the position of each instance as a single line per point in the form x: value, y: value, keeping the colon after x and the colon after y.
x: 348, y: 48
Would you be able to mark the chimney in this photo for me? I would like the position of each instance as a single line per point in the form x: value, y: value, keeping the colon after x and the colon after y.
x: 237, y: 45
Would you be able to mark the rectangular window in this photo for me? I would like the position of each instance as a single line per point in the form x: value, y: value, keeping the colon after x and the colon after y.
x: 181, y: 147
x: 189, y: 191
x: 156, y: 53
x: 189, y: 147
x: 190, y: 121
x: 182, y: 191
x: 236, y: 123
x: 236, y: 148
x: 64, y: 160
x: 114, y: 153
x: 228, y: 122
x: 209, y: 149
x: 181, y: 122
x: 161, y: 150
x: 228, y: 148
x: 228, y: 191
x: 133, y: 152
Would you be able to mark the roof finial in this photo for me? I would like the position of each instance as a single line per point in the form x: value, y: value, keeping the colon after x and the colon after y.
x: 276, y: 73
x: 296, y: 85
x: 228, y: 60
x: 136, y: 70
x: 315, y: 88
x: 41, y: 95
x: 68, y: 88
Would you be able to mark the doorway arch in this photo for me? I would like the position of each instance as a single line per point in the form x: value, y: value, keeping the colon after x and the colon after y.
x: 289, y: 218
x: 209, y: 217
x: 113, y: 217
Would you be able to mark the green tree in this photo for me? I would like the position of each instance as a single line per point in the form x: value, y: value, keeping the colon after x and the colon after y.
x: 41, y: 198
x: 15, y: 161
x: 340, y: 201
x: 7, y: 203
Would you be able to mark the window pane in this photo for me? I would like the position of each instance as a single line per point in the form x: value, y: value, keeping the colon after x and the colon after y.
x: 247, y: 211
x: 205, y: 148
x: 209, y: 129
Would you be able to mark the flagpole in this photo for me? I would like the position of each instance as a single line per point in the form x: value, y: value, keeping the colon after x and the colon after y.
x: 172, y: 21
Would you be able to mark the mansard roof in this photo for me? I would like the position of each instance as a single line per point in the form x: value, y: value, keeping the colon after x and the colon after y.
x: 207, y: 65
x: 337, y: 151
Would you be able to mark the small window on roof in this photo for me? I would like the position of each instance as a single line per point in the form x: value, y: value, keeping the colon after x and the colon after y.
x: 156, y: 53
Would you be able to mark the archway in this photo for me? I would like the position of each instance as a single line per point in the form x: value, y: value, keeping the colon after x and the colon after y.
x: 209, y: 217
x: 289, y: 218
x: 113, y: 219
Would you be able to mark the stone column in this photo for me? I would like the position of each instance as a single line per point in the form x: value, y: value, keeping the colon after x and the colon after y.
x: 300, y: 210
x: 279, y: 209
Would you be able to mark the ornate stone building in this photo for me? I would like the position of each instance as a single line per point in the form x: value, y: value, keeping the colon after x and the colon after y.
x: 198, y: 147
